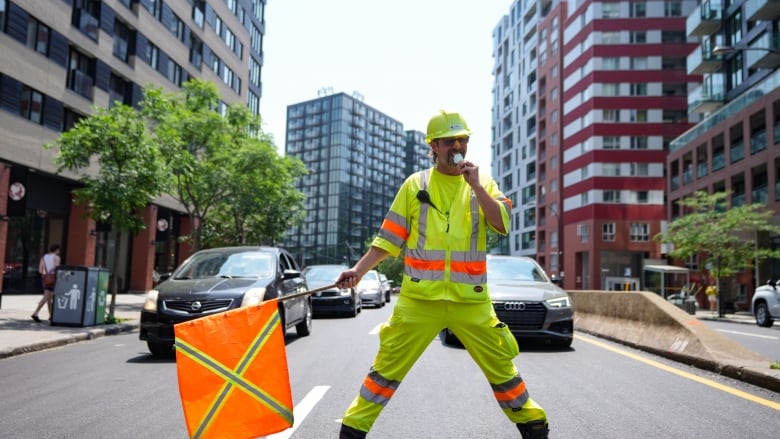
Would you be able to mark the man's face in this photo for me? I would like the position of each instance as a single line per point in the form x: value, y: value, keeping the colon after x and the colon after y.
x: 445, y: 149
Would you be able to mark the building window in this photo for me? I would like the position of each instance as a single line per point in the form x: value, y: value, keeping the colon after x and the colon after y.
x: 611, y: 142
x: 638, y: 9
x: 638, y: 37
x: 153, y: 55
x: 611, y: 63
x: 85, y: 17
x: 612, y: 196
x: 254, y: 72
x: 638, y: 142
x: 80, y: 77
x: 608, y: 232
x: 640, y: 169
x: 638, y: 89
x: 119, y: 91
x: 3, y: 7
x: 176, y: 26
x: 611, y: 115
x: 611, y: 37
x: 640, y: 232
x: 154, y: 7
x: 121, y: 39
x: 37, y: 36
x: 31, y: 104
x: 638, y: 115
x: 199, y: 12
x: 611, y: 170
x: 610, y: 10
x: 174, y: 73
x: 639, y: 63
x: 196, y: 51
x: 672, y: 8
x: 642, y: 197
x: 611, y: 89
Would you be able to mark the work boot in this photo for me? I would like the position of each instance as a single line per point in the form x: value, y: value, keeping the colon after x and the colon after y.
x: 348, y: 432
x: 534, y: 430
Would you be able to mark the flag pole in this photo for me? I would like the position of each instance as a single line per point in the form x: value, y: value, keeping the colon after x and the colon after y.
x: 305, y: 293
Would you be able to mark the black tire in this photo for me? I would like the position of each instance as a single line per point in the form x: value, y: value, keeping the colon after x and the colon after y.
x: 160, y: 349
x: 451, y: 339
x: 763, y: 318
x: 354, y: 311
x: 304, y: 328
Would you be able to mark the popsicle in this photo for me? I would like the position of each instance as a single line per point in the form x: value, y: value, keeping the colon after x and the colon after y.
x: 457, y: 158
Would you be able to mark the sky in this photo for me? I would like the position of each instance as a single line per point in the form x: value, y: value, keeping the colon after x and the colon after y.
x: 407, y: 58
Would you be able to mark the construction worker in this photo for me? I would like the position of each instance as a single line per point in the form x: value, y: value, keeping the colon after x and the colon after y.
x: 440, y: 216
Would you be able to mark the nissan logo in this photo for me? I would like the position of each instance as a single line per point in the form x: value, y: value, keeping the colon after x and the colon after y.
x: 514, y: 306
x: 195, y: 305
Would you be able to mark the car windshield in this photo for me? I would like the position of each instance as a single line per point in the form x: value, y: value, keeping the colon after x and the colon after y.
x: 371, y: 276
x: 244, y: 264
x: 514, y: 269
x: 322, y: 273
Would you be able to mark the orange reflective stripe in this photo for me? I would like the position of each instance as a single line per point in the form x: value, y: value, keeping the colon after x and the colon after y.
x: 507, y: 202
x: 422, y: 264
x: 394, y: 228
x: 376, y: 389
x: 469, y: 267
x: 511, y: 394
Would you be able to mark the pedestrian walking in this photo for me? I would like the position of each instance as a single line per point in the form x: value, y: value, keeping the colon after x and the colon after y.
x: 441, y: 216
x: 712, y: 297
x: 47, y: 267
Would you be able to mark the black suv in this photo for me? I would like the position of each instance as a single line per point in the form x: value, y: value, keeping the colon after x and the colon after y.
x: 219, y: 279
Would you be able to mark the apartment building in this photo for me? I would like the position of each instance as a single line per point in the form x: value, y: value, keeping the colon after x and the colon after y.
x: 62, y: 58
x: 357, y: 158
x: 735, y: 147
x: 611, y: 94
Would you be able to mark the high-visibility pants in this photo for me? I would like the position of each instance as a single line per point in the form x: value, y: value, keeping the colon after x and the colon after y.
x: 412, y: 327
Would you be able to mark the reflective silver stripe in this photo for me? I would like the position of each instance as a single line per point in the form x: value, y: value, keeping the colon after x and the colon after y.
x: 380, y: 381
x: 512, y: 384
x: 469, y: 256
x: 422, y: 222
x: 474, y: 222
x: 471, y: 279
x: 392, y: 237
x: 427, y: 255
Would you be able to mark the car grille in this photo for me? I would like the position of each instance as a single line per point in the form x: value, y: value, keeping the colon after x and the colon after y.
x: 521, y: 315
x: 206, y: 306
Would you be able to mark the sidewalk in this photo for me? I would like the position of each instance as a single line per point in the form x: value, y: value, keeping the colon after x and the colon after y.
x: 19, y: 334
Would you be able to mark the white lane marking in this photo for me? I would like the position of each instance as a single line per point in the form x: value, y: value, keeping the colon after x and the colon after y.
x: 301, y: 410
x: 375, y: 331
x: 749, y: 334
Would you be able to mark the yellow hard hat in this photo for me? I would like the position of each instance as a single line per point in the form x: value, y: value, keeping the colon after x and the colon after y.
x: 444, y: 124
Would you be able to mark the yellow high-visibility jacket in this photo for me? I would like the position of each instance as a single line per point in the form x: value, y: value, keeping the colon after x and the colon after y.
x: 445, y: 236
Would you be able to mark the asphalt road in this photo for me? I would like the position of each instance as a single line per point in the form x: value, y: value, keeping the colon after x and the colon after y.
x: 111, y: 388
x: 764, y: 341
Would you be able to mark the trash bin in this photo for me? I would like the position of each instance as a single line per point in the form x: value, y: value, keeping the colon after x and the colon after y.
x: 80, y: 296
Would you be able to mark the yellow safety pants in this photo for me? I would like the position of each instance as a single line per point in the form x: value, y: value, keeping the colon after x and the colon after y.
x: 412, y: 327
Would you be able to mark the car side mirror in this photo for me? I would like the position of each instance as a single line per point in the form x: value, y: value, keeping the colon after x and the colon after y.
x: 164, y: 276
x: 291, y: 274
x: 771, y: 283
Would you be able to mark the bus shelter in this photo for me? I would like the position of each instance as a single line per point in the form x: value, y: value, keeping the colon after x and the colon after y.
x: 664, y: 280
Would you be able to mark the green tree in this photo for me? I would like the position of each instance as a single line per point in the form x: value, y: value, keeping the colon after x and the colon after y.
x: 262, y: 202
x: 120, y: 169
x: 726, y: 238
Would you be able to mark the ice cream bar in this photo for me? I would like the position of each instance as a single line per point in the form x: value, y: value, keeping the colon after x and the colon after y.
x: 457, y: 158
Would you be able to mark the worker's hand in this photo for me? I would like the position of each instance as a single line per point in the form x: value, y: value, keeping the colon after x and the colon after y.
x: 348, y: 279
x: 470, y: 172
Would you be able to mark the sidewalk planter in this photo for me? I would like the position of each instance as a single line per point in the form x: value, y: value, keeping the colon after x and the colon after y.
x: 80, y: 296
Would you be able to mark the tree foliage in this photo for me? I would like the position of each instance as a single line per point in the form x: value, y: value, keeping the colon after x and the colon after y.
x: 725, y: 237
x: 119, y: 166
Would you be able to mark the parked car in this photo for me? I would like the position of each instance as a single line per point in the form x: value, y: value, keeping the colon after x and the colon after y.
x: 220, y: 279
x: 387, y: 288
x: 527, y: 301
x: 765, y: 305
x: 333, y: 300
x: 370, y: 289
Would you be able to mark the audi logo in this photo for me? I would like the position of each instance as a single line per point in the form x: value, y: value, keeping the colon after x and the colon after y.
x: 514, y: 306
x: 195, y: 305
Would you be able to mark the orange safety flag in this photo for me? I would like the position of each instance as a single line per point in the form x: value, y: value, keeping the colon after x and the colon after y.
x: 233, y: 377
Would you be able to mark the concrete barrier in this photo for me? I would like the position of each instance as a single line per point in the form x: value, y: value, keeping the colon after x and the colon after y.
x: 646, y: 321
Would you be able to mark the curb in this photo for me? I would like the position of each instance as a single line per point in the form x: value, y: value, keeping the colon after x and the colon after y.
x: 88, y: 334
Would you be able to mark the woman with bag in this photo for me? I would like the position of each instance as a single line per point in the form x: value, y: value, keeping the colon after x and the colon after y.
x: 48, y: 268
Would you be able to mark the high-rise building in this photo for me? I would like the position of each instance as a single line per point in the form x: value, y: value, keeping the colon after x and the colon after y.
x: 357, y: 157
x: 611, y: 94
x: 735, y: 148
x: 60, y: 59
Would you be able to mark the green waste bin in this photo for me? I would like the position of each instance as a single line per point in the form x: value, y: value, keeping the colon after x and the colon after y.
x: 80, y: 296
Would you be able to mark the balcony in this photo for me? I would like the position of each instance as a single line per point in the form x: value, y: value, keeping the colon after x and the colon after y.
x: 764, y: 52
x: 706, y: 99
x: 704, y: 61
x: 737, y: 200
x: 758, y: 142
x: 756, y: 10
x: 705, y: 19
x: 760, y: 195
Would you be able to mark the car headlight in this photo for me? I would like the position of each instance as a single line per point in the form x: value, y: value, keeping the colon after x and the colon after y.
x: 253, y: 296
x: 151, y: 301
x: 345, y: 292
x: 559, y: 302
